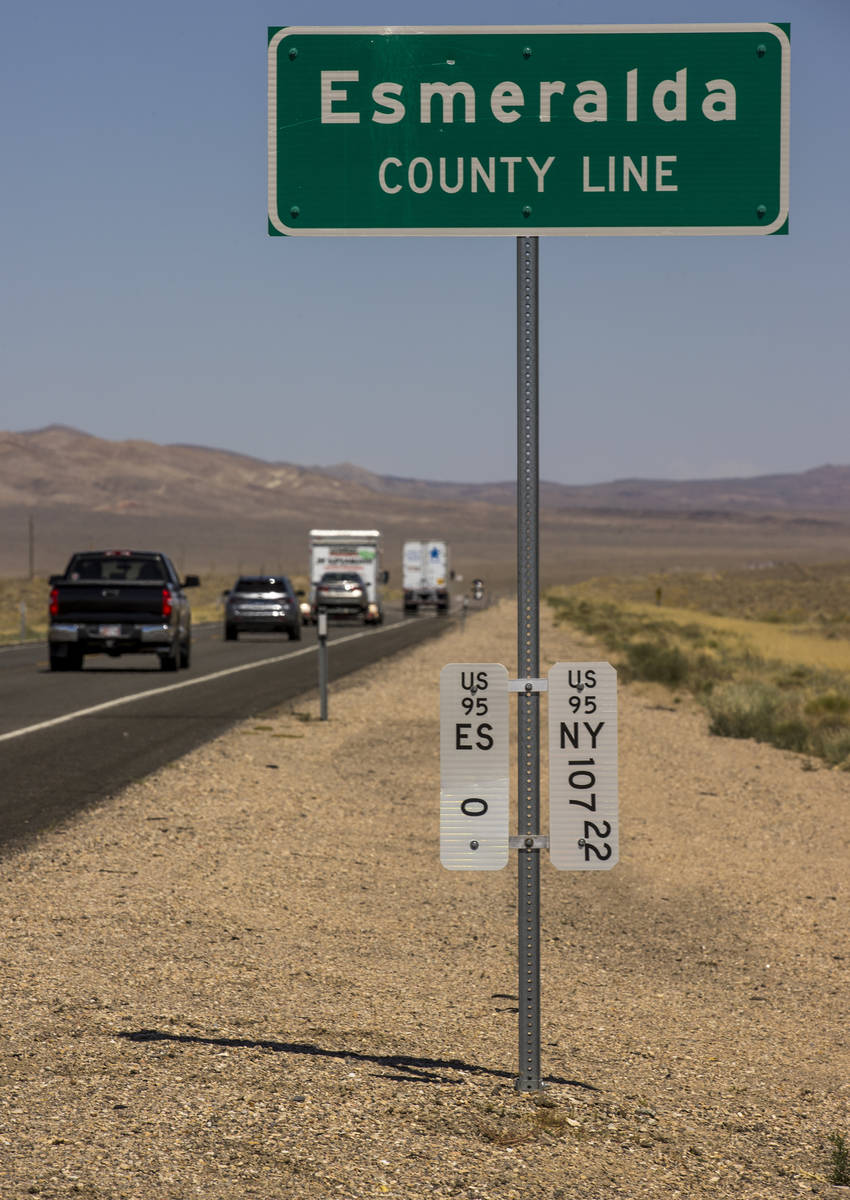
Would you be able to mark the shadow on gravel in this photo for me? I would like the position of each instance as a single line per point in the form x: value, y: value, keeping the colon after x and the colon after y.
x: 415, y: 1070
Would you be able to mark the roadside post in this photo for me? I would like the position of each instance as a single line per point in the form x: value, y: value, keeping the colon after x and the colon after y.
x: 528, y: 667
x: 322, y: 630
x: 651, y: 130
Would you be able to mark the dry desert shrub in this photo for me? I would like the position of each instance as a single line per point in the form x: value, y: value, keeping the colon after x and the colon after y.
x: 758, y: 679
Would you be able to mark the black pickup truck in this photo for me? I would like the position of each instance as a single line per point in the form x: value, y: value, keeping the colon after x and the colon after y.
x: 119, y: 602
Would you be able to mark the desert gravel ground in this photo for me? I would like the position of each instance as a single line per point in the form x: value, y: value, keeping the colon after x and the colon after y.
x: 249, y: 976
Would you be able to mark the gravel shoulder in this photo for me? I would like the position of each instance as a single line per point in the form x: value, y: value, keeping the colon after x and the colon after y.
x: 248, y: 975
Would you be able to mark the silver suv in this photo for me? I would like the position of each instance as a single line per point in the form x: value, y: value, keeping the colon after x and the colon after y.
x: 341, y: 593
x: 262, y: 604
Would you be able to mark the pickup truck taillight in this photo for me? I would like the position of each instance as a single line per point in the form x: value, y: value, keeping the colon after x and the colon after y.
x: 54, y: 602
x: 166, y: 602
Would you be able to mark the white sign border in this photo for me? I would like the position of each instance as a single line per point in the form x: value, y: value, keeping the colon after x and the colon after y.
x: 765, y: 27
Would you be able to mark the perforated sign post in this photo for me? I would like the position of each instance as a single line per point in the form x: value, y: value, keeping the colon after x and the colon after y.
x: 568, y: 130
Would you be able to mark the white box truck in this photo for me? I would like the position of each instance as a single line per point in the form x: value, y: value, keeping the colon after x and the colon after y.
x: 336, y: 553
x: 425, y: 575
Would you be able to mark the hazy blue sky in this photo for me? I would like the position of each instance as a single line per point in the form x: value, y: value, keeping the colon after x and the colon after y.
x: 142, y: 296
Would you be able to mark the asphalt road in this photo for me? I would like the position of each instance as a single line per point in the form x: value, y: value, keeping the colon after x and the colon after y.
x: 69, y: 740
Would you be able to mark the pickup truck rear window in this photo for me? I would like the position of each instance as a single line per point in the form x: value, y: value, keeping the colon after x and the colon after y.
x: 124, y: 569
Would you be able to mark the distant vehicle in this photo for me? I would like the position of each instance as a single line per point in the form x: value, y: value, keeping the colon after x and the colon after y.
x: 341, y: 594
x: 119, y: 602
x: 352, y: 552
x: 262, y: 604
x: 426, y: 575
x: 477, y: 589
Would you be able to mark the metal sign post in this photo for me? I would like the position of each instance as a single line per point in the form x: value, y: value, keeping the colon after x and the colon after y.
x: 323, y: 665
x: 528, y: 664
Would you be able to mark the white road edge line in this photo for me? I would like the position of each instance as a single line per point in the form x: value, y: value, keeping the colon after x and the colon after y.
x: 173, y: 687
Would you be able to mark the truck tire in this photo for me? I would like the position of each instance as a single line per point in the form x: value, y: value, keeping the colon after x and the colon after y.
x: 295, y: 633
x: 170, y: 661
x: 71, y: 660
x: 186, y: 654
x: 231, y: 633
x: 58, y: 662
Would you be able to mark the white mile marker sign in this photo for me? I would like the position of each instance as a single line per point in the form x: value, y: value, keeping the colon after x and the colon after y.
x: 583, y: 807
x: 474, y: 766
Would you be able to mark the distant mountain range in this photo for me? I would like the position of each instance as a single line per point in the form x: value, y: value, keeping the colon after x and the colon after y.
x: 218, y: 512
x: 62, y: 467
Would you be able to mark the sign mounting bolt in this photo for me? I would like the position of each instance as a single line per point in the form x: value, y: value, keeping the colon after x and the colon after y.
x: 473, y: 845
x: 526, y: 212
x: 293, y: 54
x: 295, y: 211
x: 761, y: 50
x: 761, y: 211
x: 526, y: 52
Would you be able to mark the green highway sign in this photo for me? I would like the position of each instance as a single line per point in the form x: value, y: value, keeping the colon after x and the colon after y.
x: 590, y: 129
